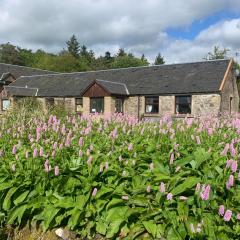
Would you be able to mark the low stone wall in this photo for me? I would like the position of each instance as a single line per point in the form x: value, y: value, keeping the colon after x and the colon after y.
x: 166, y: 105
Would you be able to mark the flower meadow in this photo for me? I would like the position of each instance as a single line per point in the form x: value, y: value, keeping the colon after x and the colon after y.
x: 122, y: 178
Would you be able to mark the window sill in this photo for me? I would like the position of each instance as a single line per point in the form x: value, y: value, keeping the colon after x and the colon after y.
x: 183, y: 115
x: 151, y: 115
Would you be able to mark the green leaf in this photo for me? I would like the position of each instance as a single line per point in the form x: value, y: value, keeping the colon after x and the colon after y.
x: 101, y: 227
x: 21, y: 197
x: 17, y: 213
x: 151, y: 227
x: 114, y: 228
x: 74, y: 219
x: 187, y: 184
x: 4, y: 186
x: 7, y: 199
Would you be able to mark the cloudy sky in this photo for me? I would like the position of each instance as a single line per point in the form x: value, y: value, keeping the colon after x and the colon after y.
x: 181, y: 30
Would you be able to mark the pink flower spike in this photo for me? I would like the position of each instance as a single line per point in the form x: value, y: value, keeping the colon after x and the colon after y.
x: 205, y: 192
x: 227, y: 216
x: 162, y: 187
x: 169, y: 196
x: 80, y: 142
x: 148, y: 189
x: 35, y: 153
x: 94, y: 193
x: 130, y: 147
x: 239, y: 176
x: 221, y: 210
x: 238, y: 216
x: 106, y: 165
x: 198, y: 186
x: 89, y: 161
x: 234, y: 166
x: 171, y: 159
x: 56, y: 171
x: 46, y: 166
x: 230, y: 182
x: 14, y: 149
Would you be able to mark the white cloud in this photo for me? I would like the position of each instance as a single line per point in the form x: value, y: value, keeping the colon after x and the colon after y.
x: 136, y: 25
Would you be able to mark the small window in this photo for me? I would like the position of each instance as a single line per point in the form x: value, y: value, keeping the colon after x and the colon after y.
x: 183, y: 104
x: 119, y: 105
x: 151, y: 104
x: 79, y: 104
x: 5, y: 104
x: 97, y: 105
x: 50, y: 101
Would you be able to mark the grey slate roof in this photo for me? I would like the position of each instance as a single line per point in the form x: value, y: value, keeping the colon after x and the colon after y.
x: 18, y: 71
x: 21, y: 91
x: 114, y: 87
x: 197, y: 77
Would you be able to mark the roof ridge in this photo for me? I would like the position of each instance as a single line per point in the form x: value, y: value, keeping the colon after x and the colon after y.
x: 8, y: 64
x: 117, y: 69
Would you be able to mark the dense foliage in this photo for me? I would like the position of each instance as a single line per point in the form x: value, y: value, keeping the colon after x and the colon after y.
x: 122, y: 178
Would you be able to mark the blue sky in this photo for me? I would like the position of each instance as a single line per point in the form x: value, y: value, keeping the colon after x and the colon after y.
x: 191, y: 31
x: 181, y: 30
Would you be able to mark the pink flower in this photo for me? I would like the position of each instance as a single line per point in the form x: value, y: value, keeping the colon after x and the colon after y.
x: 221, y: 210
x: 80, y: 142
x: 26, y: 154
x: 192, y: 228
x: 56, y: 171
x: 94, y: 193
x: 238, y: 216
x: 239, y: 175
x: 148, y: 189
x: 47, y: 166
x: 169, y: 196
x: 35, y: 153
x: 130, y: 147
x: 89, y: 161
x: 198, y: 140
x: 14, y: 149
x: 205, y: 192
x: 125, y: 197
x: 55, y: 145
x: 101, y: 168
x: 171, y: 159
x: 234, y: 166
x: 41, y: 152
x: 80, y: 153
x: 210, y: 131
x: 227, y: 216
x: 162, y: 187
x: 229, y: 163
x: 225, y: 150
x: 230, y: 182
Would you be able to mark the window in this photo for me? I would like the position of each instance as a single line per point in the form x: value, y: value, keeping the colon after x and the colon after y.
x: 119, y: 105
x: 151, y: 104
x: 183, y: 104
x: 79, y: 104
x: 97, y: 105
x: 5, y: 104
x: 50, y: 101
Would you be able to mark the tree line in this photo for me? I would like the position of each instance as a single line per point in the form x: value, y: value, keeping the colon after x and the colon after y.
x: 77, y: 57
x: 74, y: 58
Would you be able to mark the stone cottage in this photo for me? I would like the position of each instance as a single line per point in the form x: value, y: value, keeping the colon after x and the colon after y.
x: 9, y: 73
x: 197, y: 88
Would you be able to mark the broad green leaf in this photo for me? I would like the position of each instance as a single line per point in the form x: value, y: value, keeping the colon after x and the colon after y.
x: 101, y: 227
x: 7, y: 200
x: 74, y: 219
x: 114, y: 227
x: 17, y: 213
x: 21, y: 197
x: 5, y: 185
x: 187, y: 184
x: 151, y: 227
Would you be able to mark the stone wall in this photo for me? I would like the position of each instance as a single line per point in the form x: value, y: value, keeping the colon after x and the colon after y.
x: 70, y: 104
x: 206, y: 104
x: 86, y: 105
x: 131, y: 105
x: 109, y: 105
x: 230, y: 91
x: 166, y: 105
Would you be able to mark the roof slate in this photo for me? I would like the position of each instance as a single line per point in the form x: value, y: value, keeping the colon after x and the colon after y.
x: 197, y: 77
x: 18, y: 71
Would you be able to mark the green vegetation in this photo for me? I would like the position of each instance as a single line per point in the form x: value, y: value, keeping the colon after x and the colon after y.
x: 121, y: 178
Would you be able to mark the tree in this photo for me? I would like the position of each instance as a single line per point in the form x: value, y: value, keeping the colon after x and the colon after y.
x: 217, y: 53
x: 73, y: 46
x: 121, y: 53
x: 159, y: 60
x: 10, y: 54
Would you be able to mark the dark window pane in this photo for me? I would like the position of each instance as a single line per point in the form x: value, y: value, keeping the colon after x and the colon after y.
x: 79, y: 101
x: 151, y: 104
x: 118, y: 105
x: 97, y: 105
x: 183, y: 104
